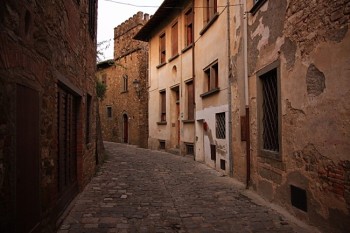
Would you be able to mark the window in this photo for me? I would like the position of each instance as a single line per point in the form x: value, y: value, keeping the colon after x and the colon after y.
x: 174, y: 40
x: 188, y: 28
x: 211, y: 79
x: 189, y: 149
x: 92, y: 18
x: 190, y: 101
x: 125, y: 83
x: 109, y: 111
x: 220, y: 125
x: 162, y: 106
x: 88, y: 118
x: 162, y: 51
x: 210, y: 9
x: 269, y: 111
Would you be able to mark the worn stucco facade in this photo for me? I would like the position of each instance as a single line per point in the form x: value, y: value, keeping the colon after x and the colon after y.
x: 47, y: 109
x: 307, y: 43
x: 192, y: 80
x: 124, y: 109
x: 283, y: 69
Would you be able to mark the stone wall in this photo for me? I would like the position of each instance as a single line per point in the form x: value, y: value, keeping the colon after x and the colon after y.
x: 311, y: 42
x: 130, y: 60
x: 44, y: 45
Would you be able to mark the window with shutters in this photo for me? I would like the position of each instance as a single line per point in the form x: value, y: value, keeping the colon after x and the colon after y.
x: 190, y: 100
x: 188, y: 28
x: 269, y: 111
x: 211, y: 79
x: 210, y: 9
x: 162, y: 106
x: 174, y: 40
x: 162, y: 50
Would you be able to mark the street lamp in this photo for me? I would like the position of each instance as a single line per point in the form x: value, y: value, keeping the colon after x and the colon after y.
x: 136, y: 84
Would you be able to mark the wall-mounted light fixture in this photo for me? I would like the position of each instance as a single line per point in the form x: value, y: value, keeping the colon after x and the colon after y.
x: 136, y: 84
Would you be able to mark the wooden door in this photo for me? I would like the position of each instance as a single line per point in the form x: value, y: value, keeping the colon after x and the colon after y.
x: 27, y: 160
x: 126, y: 128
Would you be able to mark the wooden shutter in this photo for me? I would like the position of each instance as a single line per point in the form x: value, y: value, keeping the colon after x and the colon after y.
x: 190, y: 101
x: 174, y: 39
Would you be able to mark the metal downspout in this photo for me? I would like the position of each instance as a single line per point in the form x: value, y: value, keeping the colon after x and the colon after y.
x: 246, y: 91
x: 193, y: 77
x: 229, y: 94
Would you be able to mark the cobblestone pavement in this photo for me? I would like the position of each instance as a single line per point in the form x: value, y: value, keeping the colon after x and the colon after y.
x: 139, y: 190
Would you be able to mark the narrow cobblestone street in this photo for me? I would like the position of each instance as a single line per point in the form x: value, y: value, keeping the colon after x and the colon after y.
x: 139, y: 190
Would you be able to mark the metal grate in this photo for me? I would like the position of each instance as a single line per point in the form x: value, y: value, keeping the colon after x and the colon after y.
x: 220, y: 125
x: 270, y: 111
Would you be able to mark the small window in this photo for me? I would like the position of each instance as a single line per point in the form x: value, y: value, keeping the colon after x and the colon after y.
x: 162, y: 50
x: 298, y: 198
x: 188, y: 27
x: 88, y: 118
x: 220, y: 125
x: 174, y: 40
x: 109, y: 111
x: 161, y: 144
x: 189, y: 149
x: 162, y: 106
x: 104, y: 79
x: 222, y: 164
x: 190, y: 101
x: 210, y: 9
x: 125, y: 83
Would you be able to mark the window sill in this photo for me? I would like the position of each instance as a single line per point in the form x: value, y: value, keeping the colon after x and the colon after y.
x: 160, y: 65
x: 187, y: 121
x: 173, y: 58
x: 161, y: 123
x: 124, y: 92
x: 207, y: 26
x: 209, y: 93
x: 257, y: 6
x: 275, y: 155
x: 187, y: 48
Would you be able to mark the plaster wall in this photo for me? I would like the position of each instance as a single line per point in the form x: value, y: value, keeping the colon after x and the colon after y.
x: 311, y: 41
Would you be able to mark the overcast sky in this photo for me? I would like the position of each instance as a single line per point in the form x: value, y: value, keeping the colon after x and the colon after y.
x: 111, y: 13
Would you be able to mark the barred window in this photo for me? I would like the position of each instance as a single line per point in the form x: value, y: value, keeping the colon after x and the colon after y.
x: 220, y: 125
x: 270, y: 111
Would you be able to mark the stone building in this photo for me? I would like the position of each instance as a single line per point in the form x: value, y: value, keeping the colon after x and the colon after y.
x: 282, y: 69
x: 47, y: 109
x: 124, y: 110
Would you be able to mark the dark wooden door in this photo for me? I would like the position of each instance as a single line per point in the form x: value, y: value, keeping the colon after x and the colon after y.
x: 27, y: 160
x: 67, y: 147
x: 126, y: 128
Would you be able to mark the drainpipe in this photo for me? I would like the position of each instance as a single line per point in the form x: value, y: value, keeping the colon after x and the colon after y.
x: 193, y: 77
x: 229, y: 94
x: 246, y: 90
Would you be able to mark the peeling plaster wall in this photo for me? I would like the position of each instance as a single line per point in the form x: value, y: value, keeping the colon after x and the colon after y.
x: 312, y: 42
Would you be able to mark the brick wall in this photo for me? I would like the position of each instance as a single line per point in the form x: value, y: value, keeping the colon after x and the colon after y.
x: 130, y: 59
x: 44, y: 45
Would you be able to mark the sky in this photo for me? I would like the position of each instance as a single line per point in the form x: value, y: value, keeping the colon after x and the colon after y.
x: 111, y: 13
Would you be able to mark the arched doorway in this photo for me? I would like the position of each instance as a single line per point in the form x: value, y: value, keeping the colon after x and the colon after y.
x: 125, y: 128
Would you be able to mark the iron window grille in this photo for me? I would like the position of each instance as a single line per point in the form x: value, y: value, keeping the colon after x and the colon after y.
x: 220, y: 125
x: 270, y: 111
x: 189, y: 149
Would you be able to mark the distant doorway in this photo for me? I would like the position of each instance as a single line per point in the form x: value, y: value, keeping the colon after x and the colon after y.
x: 125, y: 128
